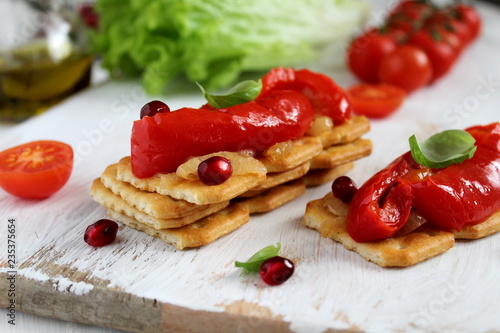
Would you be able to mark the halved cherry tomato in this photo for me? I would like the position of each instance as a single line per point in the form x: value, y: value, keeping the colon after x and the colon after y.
x: 408, y: 67
x: 366, y: 52
x: 375, y: 100
x: 37, y: 169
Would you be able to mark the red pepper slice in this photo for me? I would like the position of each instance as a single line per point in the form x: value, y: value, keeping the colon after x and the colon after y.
x: 466, y: 193
x: 487, y: 136
x: 381, y: 206
x: 450, y: 198
x: 326, y: 96
x: 162, y: 142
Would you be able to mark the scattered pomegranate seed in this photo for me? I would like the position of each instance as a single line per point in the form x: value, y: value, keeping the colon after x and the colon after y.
x: 344, y: 188
x: 215, y: 170
x: 154, y: 107
x: 276, y: 270
x: 101, y: 233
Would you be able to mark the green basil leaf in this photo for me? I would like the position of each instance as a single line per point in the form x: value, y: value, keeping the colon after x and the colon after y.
x: 241, y: 93
x: 443, y: 149
x: 253, y: 264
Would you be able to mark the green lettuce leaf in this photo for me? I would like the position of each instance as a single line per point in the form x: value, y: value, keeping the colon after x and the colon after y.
x: 214, y: 41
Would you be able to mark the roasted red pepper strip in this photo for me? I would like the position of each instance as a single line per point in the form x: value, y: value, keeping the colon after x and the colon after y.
x: 326, y: 96
x: 466, y: 193
x: 162, y: 142
x: 381, y: 206
x: 449, y: 198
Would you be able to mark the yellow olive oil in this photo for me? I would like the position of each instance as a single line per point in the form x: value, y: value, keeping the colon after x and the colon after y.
x: 32, y: 81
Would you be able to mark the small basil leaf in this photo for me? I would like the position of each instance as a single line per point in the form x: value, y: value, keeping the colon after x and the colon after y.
x: 253, y: 264
x: 443, y: 149
x: 241, y: 93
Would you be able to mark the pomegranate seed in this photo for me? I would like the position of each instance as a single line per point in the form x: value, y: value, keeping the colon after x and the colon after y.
x: 344, y: 188
x: 101, y: 233
x: 215, y: 170
x: 154, y: 107
x: 276, y: 270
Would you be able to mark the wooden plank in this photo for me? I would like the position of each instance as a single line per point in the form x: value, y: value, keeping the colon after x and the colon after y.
x: 141, y: 284
x: 98, y: 306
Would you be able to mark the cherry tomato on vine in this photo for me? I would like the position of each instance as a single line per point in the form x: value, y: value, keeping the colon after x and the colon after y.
x: 470, y: 17
x: 450, y: 38
x: 441, y: 55
x: 398, y: 35
x: 37, y: 169
x: 366, y: 52
x: 375, y: 100
x: 460, y: 29
x: 401, y: 22
x: 410, y: 15
x: 414, y: 9
x: 446, y: 19
x: 408, y: 67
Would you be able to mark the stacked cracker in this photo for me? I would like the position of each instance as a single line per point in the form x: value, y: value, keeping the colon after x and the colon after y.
x: 179, y: 209
x: 328, y: 216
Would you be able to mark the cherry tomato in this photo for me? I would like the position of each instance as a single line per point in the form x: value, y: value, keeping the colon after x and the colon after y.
x: 450, y: 38
x: 461, y: 29
x: 37, y: 169
x: 365, y: 54
x: 401, y: 22
x: 469, y: 16
x: 408, y: 67
x: 398, y: 35
x: 441, y: 55
x: 417, y: 10
x: 447, y: 19
x: 375, y: 100
x: 410, y: 15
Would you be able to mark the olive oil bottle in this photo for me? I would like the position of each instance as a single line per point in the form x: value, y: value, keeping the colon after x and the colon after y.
x: 31, y: 81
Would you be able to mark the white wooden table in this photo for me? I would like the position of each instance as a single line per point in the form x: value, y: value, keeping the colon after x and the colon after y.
x: 142, y: 281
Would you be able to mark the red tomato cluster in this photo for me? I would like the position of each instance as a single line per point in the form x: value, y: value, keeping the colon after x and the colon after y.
x: 417, y: 45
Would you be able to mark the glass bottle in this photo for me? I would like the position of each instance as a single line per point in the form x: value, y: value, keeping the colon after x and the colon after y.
x: 44, y: 56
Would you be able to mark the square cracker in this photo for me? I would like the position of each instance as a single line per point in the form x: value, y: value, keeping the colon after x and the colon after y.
x: 275, y: 197
x: 196, y: 234
x: 194, y: 191
x: 340, y: 154
x: 300, y: 152
x: 277, y: 178
x: 486, y: 228
x: 108, y: 199
x: 328, y: 215
x: 321, y: 176
x: 152, y: 203
x: 350, y: 131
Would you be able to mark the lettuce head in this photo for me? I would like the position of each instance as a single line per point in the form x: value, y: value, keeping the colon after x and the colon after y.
x: 214, y: 41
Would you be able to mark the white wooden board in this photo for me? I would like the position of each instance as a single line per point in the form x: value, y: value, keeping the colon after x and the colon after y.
x: 140, y: 283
